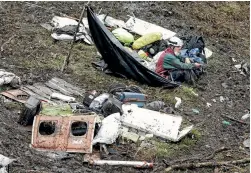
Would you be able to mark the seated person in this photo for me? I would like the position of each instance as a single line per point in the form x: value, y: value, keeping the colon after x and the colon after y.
x: 171, y: 65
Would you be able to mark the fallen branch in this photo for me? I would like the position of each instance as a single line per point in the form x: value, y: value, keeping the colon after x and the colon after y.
x: 181, y: 160
x: 7, y: 42
x: 197, y: 158
x: 233, y: 119
x: 207, y: 164
x: 216, y: 151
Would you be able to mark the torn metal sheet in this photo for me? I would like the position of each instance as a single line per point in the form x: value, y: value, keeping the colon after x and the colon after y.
x: 64, y: 87
x: 31, y: 93
x: 9, y: 78
x: 111, y: 22
x: 42, y: 92
x: 57, y: 87
x: 70, y: 134
x: 38, y: 91
x: 43, y: 88
x: 75, y: 90
x: 142, y: 27
x: 160, y: 124
x: 4, y: 162
x: 109, y: 130
x: 17, y: 95
x: 66, y: 37
x: 59, y: 22
x: 208, y: 53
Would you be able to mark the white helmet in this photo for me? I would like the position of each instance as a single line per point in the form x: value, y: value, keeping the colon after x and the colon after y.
x: 175, y: 41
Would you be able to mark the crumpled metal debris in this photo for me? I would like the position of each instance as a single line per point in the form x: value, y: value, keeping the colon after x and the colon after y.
x: 209, y: 104
x: 178, y: 103
x: 111, y: 22
x: 243, y: 68
x: 234, y: 60
x: 246, y: 143
x: 68, y: 134
x: 246, y: 116
x: 97, y: 103
x: 155, y: 105
x: 64, y: 28
x: 109, y: 130
x: 221, y: 99
x: 4, y: 161
x: 9, y: 78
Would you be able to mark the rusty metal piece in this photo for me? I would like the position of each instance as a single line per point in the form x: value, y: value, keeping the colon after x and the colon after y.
x: 17, y: 95
x: 62, y: 137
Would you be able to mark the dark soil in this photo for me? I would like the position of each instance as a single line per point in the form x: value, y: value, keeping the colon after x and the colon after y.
x: 34, y: 56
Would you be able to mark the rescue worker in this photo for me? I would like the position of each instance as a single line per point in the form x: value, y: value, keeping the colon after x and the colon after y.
x: 172, y: 66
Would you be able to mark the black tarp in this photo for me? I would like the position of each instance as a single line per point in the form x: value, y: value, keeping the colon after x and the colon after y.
x: 119, y: 59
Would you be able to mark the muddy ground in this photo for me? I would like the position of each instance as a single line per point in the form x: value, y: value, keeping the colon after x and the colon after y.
x: 34, y: 56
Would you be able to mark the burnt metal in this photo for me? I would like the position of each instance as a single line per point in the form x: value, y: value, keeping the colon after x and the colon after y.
x: 71, y: 134
x: 17, y: 95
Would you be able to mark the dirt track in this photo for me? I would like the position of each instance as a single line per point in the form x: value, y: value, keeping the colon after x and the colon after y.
x: 33, y: 56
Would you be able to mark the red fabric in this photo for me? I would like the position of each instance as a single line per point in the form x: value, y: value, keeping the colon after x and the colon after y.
x: 159, y: 66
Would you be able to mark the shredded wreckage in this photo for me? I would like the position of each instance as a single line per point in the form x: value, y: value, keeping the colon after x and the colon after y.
x: 66, y: 118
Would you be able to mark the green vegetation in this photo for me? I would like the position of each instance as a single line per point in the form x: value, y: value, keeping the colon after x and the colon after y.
x: 57, y: 110
x: 162, y: 149
x: 13, y: 106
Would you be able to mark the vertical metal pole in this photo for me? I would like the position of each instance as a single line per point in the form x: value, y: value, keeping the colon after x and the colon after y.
x: 67, y: 59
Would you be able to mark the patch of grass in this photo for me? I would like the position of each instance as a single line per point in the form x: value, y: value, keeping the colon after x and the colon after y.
x: 13, y: 106
x: 42, y: 63
x: 186, y: 94
x: 163, y: 149
x: 230, y: 8
x: 197, y: 134
x: 147, y: 154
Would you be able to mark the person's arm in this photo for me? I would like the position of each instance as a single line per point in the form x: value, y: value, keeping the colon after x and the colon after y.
x: 180, y: 65
x: 182, y: 58
x: 173, y: 61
